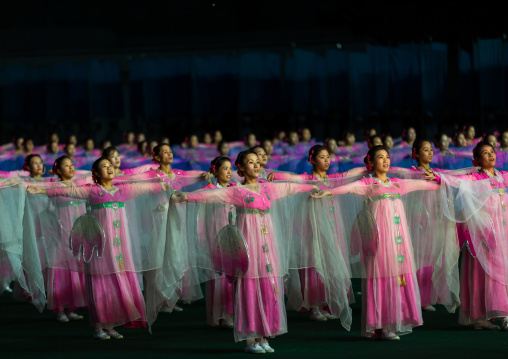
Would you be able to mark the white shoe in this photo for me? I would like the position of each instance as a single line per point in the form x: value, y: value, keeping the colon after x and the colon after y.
x: 62, y: 318
x: 254, y: 349
x: 485, y: 325
x: 328, y: 316
x: 114, y: 334
x: 429, y: 308
x: 74, y: 316
x: 8, y: 289
x: 504, y: 326
x: 318, y: 317
x: 100, y: 335
x: 385, y: 335
x: 165, y: 310
x: 176, y: 308
x: 267, y: 348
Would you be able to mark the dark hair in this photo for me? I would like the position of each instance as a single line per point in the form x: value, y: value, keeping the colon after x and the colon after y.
x: 28, y: 159
x: 157, y: 150
x: 108, y: 151
x: 217, y: 162
x: 256, y: 146
x: 140, y: 145
x: 58, y: 164
x: 437, y: 138
x: 371, y: 154
x: 95, y: 168
x: 417, y: 146
x: 241, y: 157
x: 478, y: 148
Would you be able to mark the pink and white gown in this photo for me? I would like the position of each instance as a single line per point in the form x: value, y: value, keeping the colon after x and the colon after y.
x: 390, y: 295
x: 484, y: 296
x: 219, y: 292
x: 112, y: 288
x: 312, y: 288
x: 428, y: 293
x: 191, y: 289
x: 259, y: 294
x: 66, y: 288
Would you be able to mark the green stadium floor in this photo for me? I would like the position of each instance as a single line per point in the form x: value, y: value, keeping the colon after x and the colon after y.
x: 24, y: 332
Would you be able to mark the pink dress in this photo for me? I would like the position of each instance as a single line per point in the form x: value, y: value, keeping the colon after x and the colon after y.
x: 219, y: 292
x: 115, y: 296
x: 390, y: 295
x: 66, y: 288
x: 259, y: 294
x: 312, y: 289
x: 428, y: 294
x: 482, y: 296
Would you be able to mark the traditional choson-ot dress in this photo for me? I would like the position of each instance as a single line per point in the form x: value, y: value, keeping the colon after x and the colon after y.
x: 390, y: 294
x: 112, y: 288
x: 259, y: 293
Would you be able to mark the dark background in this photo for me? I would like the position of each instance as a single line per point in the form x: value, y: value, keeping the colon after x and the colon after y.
x: 174, y: 67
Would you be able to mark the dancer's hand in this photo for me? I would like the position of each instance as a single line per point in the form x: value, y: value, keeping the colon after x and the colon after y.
x: 271, y: 177
x: 321, y: 194
x: 206, y: 176
x: 35, y: 190
x: 429, y: 176
x: 179, y: 197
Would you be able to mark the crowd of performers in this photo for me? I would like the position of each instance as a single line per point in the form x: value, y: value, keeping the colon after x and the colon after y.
x: 128, y: 244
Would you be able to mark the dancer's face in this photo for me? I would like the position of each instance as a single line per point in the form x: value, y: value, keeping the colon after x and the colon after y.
x: 36, y: 167
x: 487, y: 157
x: 425, y: 154
x: 381, y: 162
x: 250, y: 166
x: 224, y: 149
x: 263, y: 158
x: 306, y: 135
x: 443, y: 143
x: 388, y: 142
x: 492, y: 140
x: 223, y: 173
x: 70, y: 150
x: 165, y: 156
x: 106, y: 170
x: 66, y: 169
x: 115, y: 159
x: 322, y: 161
x: 461, y: 140
x: 268, y: 147
x: 471, y: 133
x: 411, y: 134
x: 251, y: 140
x: 331, y: 145
x: 504, y: 139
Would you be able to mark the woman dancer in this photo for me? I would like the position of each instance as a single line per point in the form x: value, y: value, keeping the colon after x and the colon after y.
x: 34, y: 165
x: 219, y: 292
x: 483, y: 295
x: 65, y: 289
x: 391, y: 300
x: 113, y: 298
x: 312, y: 287
x: 263, y: 160
x: 259, y: 295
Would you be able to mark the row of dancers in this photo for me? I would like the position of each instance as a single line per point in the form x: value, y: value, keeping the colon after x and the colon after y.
x: 283, y: 150
x: 152, y: 234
